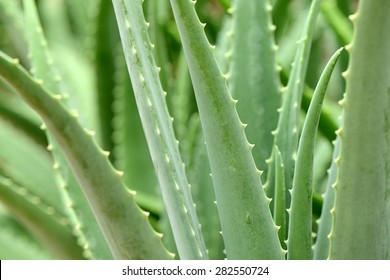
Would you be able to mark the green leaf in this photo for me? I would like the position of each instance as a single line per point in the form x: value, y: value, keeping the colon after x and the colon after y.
x: 158, y: 129
x: 131, y: 151
x: 203, y: 192
x: 247, y: 226
x: 85, y: 225
x: 322, y: 245
x: 300, y: 227
x: 253, y: 76
x: 112, y: 203
x: 362, y: 208
x: 286, y: 133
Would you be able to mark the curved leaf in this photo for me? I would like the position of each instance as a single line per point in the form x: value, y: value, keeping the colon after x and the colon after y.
x: 112, y: 203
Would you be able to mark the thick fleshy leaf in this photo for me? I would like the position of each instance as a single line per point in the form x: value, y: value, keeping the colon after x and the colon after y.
x: 112, y: 203
x: 247, y: 226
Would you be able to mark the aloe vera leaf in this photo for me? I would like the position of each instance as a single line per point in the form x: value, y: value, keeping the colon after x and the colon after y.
x: 188, y: 149
x: 130, y: 147
x: 300, y: 227
x: 280, y: 198
x: 158, y: 129
x: 363, y: 186
x: 112, y: 203
x: 253, y: 77
x: 322, y: 244
x: 18, y: 244
x: 286, y: 133
x: 203, y: 192
x: 83, y: 220
x: 328, y: 124
x: 248, y: 229
x: 48, y: 226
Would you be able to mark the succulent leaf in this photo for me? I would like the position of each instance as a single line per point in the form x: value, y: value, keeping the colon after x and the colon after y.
x: 158, y: 129
x: 247, y: 226
x: 254, y: 78
x: 322, y: 244
x: 286, y: 133
x: 361, y: 216
x: 83, y: 220
x: 300, y: 226
x: 112, y: 203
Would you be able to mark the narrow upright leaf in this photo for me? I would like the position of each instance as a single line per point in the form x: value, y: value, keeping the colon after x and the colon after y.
x: 300, y: 227
x: 322, y: 245
x: 158, y: 128
x: 286, y: 134
x: 247, y: 226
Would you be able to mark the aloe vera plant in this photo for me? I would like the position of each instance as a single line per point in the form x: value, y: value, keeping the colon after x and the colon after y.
x: 132, y: 130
